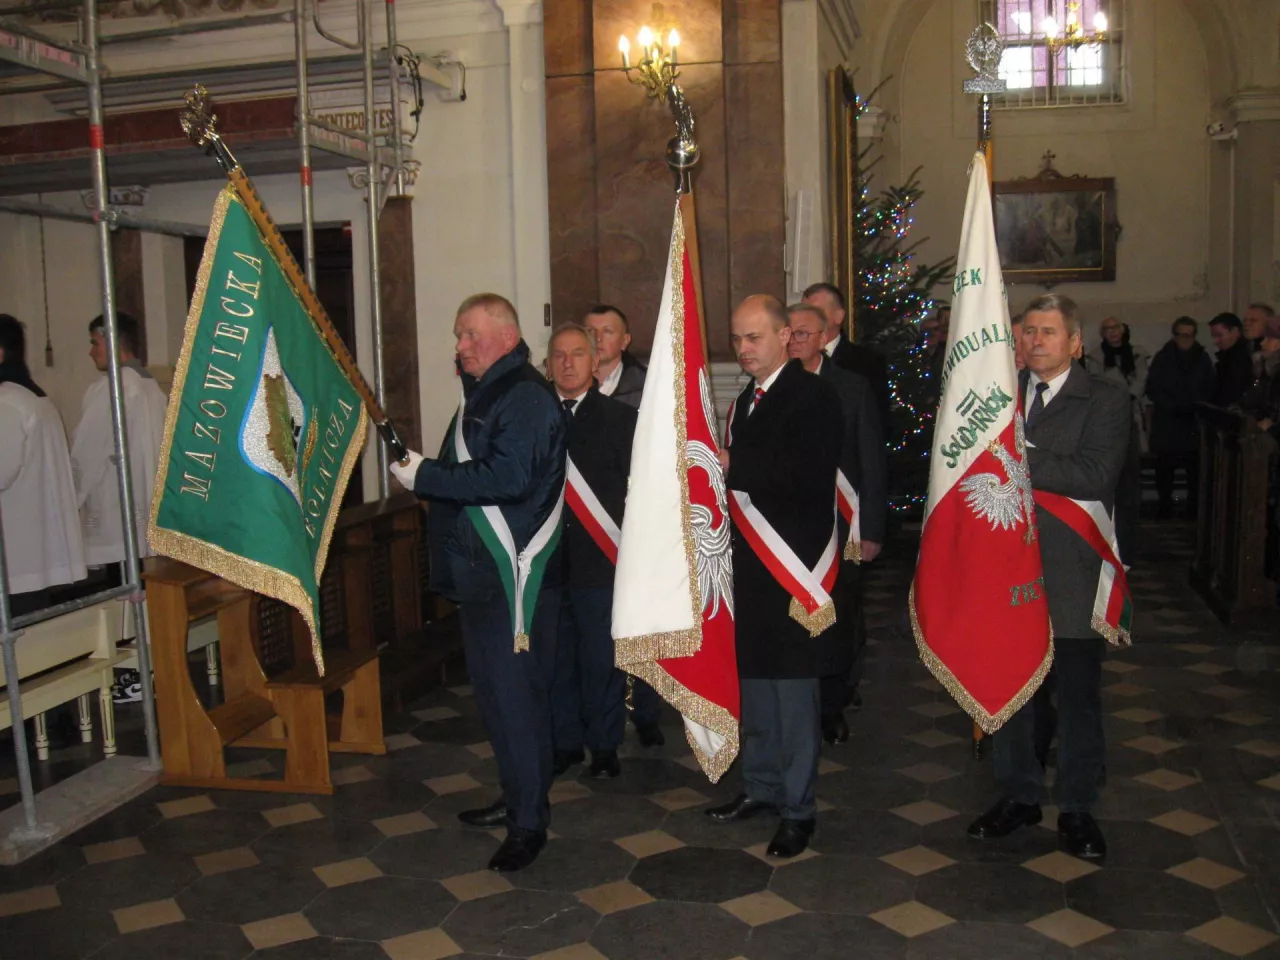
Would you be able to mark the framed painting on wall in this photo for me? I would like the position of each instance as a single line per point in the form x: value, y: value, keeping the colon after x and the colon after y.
x: 842, y: 154
x: 1057, y: 229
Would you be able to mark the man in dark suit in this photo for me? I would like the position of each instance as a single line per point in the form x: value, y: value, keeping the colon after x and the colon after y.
x: 588, y: 691
x: 786, y: 433
x: 621, y: 376
x: 854, y: 357
x: 499, y: 479
x: 1235, y: 359
x: 1077, y: 429
x: 865, y: 465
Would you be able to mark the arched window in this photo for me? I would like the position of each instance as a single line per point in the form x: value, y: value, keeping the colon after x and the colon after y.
x: 1059, y: 53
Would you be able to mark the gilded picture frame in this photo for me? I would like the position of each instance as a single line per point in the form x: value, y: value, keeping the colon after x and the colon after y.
x: 842, y: 156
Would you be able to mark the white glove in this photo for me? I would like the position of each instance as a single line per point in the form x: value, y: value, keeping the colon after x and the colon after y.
x: 405, y: 472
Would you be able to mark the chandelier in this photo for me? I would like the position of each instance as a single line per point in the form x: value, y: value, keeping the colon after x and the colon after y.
x: 657, y: 67
x: 1071, y: 34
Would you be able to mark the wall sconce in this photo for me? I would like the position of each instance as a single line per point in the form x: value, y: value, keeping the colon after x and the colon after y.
x: 656, y: 70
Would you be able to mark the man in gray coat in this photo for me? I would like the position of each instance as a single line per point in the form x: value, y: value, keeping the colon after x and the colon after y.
x: 1077, y: 439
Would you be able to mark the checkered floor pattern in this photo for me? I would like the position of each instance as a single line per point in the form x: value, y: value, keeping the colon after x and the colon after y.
x: 634, y: 871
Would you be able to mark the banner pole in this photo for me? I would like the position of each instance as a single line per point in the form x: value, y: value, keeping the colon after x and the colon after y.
x: 199, y: 122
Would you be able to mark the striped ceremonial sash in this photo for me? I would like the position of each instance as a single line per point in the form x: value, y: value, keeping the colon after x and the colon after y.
x: 1112, y: 603
x: 521, y: 571
x: 847, y: 504
x: 586, y: 506
x: 810, y: 590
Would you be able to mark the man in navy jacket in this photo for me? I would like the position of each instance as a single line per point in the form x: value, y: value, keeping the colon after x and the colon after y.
x: 496, y: 493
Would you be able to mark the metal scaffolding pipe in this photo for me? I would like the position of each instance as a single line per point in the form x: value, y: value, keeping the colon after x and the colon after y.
x: 374, y: 207
x: 132, y: 570
x: 397, y: 144
x: 71, y: 606
x: 22, y: 30
x: 304, y: 142
x: 209, y: 26
x: 115, y: 216
x: 315, y: 18
x: 8, y: 637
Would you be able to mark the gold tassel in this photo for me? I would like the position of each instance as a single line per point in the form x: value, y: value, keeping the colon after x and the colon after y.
x: 816, y: 622
x: 522, y: 643
x: 853, y: 551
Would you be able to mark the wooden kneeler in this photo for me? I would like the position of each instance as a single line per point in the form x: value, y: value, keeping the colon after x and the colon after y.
x: 286, y: 712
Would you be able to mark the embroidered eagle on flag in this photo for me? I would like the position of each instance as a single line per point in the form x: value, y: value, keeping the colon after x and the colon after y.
x: 1011, y: 502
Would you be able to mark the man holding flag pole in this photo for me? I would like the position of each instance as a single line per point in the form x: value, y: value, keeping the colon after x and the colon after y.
x: 1009, y: 451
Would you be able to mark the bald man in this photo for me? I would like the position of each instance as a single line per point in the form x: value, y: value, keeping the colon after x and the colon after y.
x: 785, y: 435
x: 497, y: 489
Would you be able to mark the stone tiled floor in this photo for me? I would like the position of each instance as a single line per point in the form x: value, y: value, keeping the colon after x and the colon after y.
x: 635, y: 871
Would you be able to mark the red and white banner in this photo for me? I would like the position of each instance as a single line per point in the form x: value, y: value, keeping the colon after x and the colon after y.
x: 810, y: 590
x: 586, y: 506
x: 673, y: 593
x: 978, y: 605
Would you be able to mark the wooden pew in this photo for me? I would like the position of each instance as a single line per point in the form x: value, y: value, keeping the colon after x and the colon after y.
x: 1228, y: 569
x: 285, y: 712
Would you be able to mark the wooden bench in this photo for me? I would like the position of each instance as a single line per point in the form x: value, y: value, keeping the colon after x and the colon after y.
x: 68, y: 658
x: 285, y: 712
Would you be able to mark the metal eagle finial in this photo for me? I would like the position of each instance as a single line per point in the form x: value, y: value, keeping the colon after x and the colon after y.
x: 199, y: 122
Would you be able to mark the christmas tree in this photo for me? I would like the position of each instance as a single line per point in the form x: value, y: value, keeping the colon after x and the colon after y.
x: 892, y: 296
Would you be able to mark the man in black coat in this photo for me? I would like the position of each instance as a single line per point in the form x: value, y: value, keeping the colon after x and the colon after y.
x: 1181, y: 376
x: 1077, y: 433
x: 854, y: 357
x: 500, y: 478
x: 781, y: 461
x: 864, y: 463
x: 1235, y: 359
x: 588, y: 692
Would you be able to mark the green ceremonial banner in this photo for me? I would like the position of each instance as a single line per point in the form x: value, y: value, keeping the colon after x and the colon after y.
x: 263, y: 428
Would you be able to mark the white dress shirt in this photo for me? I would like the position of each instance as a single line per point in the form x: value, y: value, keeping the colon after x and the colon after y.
x: 575, y: 401
x: 1055, y: 384
x: 610, y: 383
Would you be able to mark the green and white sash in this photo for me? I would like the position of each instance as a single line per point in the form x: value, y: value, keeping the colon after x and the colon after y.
x: 521, y: 571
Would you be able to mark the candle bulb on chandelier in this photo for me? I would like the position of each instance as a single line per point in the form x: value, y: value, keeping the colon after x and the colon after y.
x: 645, y: 39
x: 624, y: 47
x: 1100, y: 22
x: 673, y: 41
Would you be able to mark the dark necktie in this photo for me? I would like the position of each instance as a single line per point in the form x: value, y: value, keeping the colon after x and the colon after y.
x: 756, y: 398
x: 1037, y: 405
x: 569, y: 406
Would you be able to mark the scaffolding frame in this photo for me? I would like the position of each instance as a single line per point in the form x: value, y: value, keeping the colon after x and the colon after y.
x: 79, y: 61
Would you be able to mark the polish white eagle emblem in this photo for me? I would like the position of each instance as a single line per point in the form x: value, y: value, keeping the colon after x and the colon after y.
x: 1008, y: 503
x: 712, y: 546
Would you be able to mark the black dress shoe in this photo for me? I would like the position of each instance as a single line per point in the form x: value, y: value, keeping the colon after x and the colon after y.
x: 650, y: 735
x: 834, y: 728
x: 1004, y: 818
x: 519, y: 850
x: 791, y: 839
x: 742, y: 808
x: 494, y: 815
x: 605, y: 765
x: 564, y: 759
x: 1078, y: 835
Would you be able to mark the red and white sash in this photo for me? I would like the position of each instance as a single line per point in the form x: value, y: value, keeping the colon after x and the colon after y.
x: 847, y: 504
x: 810, y: 590
x: 586, y: 506
x: 1112, y: 603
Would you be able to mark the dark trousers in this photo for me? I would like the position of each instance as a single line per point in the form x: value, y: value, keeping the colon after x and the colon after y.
x: 646, y: 705
x: 781, y: 736
x: 1077, y: 670
x: 512, y: 691
x: 1166, y: 464
x: 588, y: 692
x: 838, y: 688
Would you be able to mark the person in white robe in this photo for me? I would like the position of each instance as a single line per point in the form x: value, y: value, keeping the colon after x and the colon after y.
x: 42, y: 541
x: 93, y: 447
